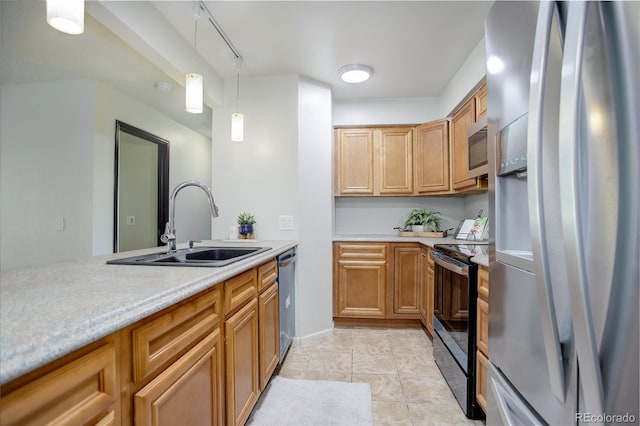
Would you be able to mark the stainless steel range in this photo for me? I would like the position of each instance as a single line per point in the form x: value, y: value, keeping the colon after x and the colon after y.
x: 454, y: 320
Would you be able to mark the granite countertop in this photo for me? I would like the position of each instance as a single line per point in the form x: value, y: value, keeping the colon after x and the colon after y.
x: 49, y: 311
x: 394, y: 238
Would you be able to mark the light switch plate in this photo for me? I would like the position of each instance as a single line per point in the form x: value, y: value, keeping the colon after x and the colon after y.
x: 286, y: 223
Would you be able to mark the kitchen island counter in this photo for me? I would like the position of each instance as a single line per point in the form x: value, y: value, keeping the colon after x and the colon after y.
x: 49, y: 311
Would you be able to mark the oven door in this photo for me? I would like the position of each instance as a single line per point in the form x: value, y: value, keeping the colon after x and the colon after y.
x: 454, y: 307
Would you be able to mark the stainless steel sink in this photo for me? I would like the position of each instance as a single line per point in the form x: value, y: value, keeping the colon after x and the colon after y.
x: 197, y: 256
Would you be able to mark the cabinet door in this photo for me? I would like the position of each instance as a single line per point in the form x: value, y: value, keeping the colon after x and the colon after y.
x: 395, y: 171
x: 483, y: 283
x: 241, y: 349
x: 269, y: 325
x: 355, y: 161
x: 481, y: 102
x: 483, y: 326
x: 460, y: 123
x: 431, y: 157
x: 360, y: 288
x: 189, y: 391
x: 481, y: 380
x: 406, y: 292
x: 430, y: 289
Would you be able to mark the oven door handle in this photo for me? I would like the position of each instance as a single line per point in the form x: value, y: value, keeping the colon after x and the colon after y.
x: 442, y: 261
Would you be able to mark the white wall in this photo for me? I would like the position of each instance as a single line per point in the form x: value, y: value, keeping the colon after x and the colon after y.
x: 283, y: 167
x: 369, y: 215
x: 46, y: 171
x: 469, y: 74
x: 315, y: 209
x: 386, y: 111
x: 260, y: 174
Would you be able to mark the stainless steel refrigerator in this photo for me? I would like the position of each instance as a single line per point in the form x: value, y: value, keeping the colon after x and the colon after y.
x: 564, y: 141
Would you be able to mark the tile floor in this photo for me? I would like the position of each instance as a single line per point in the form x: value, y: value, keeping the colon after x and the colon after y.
x: 406, y: 386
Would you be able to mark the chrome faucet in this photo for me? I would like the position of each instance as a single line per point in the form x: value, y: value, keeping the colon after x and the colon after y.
x: 169, y: 236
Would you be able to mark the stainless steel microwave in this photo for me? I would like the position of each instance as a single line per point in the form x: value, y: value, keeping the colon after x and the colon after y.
x: 477, y: 146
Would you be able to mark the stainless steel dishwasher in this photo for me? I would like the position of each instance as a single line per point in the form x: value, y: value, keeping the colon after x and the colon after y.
x: 286, y: 296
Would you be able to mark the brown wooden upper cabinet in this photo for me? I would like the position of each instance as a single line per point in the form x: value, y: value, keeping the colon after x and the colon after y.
x: 474, y: 109
x: 374, y: 161
x: 481, y: 102
x: 431, y: 157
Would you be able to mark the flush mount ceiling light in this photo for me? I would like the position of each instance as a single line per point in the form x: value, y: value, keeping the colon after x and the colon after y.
x: 66, y: 16
x: 355, y: 73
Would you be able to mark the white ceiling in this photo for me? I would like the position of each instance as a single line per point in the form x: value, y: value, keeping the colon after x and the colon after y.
x: 414, y: 47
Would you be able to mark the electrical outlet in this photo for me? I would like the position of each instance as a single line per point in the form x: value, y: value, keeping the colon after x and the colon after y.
x: 60, y: 223
x: 131, y: 220
x: 286, y: 223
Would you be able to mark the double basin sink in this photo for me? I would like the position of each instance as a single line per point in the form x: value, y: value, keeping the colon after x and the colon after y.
x: 197, y: 256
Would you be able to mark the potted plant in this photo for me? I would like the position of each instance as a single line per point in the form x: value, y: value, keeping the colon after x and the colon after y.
x: 420, y: 220
x: 246, y: 222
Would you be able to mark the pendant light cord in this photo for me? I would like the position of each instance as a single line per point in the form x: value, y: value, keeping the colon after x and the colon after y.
x: 238, y: 92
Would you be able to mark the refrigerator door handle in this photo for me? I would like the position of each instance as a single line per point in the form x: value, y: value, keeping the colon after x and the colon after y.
x: 571, y: 99
x: 549, y: 321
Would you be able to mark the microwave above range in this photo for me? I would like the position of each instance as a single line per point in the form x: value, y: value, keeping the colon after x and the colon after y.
x: 477, y: 146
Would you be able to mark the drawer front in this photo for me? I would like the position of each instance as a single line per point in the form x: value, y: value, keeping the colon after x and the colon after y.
x: 161, y: 340
x: 483, y: 326
x: 239, y: 290
x: 361, y: 251
x: 267, y: 275
x: 83, y: 391
x: 483, y: 283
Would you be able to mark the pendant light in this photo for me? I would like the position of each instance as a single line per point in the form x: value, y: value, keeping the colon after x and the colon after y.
x: 237, y: 119
x: 66, y: 16
x: 194, y: 84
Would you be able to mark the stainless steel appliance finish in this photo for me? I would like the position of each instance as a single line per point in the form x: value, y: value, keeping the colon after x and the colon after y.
x: 477, y: 148
x: 286, y: 299
x: 454, y: 322
x: 564, y: 268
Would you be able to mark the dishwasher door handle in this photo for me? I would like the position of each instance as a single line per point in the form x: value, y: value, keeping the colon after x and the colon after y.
x: 286, y: 261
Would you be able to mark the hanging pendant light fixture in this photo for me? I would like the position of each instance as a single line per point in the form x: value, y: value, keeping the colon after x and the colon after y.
x: 237, y: 119
x: 66, y: 16
x: 194, y: 82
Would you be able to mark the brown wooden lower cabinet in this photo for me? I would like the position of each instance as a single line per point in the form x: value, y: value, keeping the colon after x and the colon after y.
x: 482, y: 331
x: 188, y: 392
x: 429, y: 291
x: 168, y: 369
x: 243, y: 382
x: 360, y: 288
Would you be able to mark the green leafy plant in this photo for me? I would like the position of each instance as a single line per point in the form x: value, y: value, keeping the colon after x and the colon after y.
x: 429, y: 219
x: 246, y: 219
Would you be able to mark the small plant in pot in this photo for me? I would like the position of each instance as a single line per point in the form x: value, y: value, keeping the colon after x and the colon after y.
x: 246, y: 222
x: 421, y: 220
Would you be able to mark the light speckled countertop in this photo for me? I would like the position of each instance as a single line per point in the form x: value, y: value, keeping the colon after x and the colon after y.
x: 394, y: 238
x: 49, y: 311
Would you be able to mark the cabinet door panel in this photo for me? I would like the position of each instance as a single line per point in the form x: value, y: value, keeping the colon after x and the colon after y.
x: 243, y: 382
x: 481, y: 102
x: 269, y: 334
x: 396, y: 161
x: 240, y: 289
x: 407, y: 268
x: 431, y: 148
x: 460, y: 123
x: 481, y: 380
x: 188, y: 392
x: 483, y: 326
x: 355, y: 150
x: 361, y: 288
